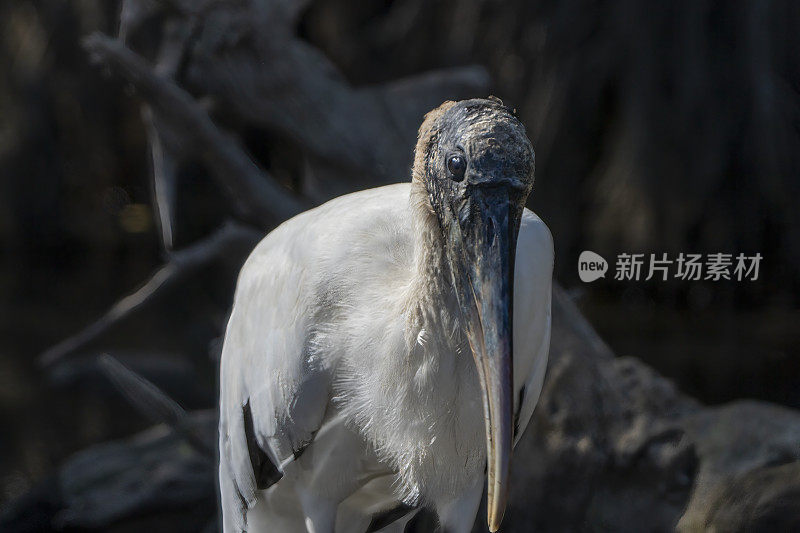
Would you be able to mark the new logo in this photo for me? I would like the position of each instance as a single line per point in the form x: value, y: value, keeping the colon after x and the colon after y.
x: 591, y: 266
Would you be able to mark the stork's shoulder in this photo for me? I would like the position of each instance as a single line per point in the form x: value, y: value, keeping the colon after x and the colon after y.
x: 318, y: 247
x: 534, y: 232
x: 336, y: 223
x: 533, y: 271
x: 361, y: 208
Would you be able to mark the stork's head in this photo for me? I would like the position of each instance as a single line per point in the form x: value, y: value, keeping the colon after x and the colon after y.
x: 476, y: 164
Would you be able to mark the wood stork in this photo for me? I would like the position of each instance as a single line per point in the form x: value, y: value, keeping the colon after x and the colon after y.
x: 367, y: 368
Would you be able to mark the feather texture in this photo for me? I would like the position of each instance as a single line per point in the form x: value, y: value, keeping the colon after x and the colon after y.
x: 345, y: 346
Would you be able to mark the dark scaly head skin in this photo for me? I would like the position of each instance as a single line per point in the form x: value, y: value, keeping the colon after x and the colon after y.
x: 493, y: 142
x: 476, y: 164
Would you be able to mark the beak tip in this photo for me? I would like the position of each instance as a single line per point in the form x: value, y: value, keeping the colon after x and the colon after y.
x: 493, y: 521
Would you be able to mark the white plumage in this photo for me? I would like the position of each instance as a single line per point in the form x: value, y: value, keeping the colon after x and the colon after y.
x: 346, y: 369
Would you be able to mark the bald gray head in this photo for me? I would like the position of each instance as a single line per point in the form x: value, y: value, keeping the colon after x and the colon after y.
x: 476, y: 164
x: 468, y: 144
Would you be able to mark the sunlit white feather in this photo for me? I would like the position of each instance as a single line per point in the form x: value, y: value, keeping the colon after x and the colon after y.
x: 335, y: 326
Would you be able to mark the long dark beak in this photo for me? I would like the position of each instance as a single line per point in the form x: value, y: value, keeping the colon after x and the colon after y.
x: 484, y: 281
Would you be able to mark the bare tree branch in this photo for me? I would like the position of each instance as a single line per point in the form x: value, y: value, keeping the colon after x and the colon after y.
x: 579, y: 327
x: 153, y: 403
x: 258, y: 198
x: 180, y: 265
x: 165, y: 167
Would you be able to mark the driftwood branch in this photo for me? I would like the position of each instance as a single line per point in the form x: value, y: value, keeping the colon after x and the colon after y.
x: 164, y: 189
x: 247, y: 57
x: 154, y: 404
x: 228, y: 240
x: 258, y: 198
x: 139, y: 484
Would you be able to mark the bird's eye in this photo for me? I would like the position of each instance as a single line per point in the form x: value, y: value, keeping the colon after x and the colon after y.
x: 457, y: 165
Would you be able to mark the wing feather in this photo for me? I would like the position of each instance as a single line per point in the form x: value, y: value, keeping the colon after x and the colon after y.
x: 273, y: 394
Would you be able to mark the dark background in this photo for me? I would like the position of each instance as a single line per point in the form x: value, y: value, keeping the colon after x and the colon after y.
x: 658, y: 127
